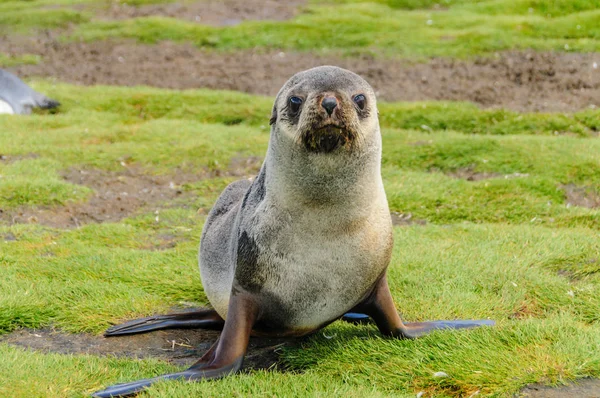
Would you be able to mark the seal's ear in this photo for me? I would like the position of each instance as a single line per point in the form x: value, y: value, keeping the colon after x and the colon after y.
x: 273, y: 116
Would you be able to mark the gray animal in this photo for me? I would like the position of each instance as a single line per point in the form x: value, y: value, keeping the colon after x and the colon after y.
x: 17, y: 97
x: 305, y: 243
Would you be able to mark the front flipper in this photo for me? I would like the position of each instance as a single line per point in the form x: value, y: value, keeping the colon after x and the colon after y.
x: 224, y: 357
x: 202, y: 319
x: 192, y: 374
x: 380, y: 306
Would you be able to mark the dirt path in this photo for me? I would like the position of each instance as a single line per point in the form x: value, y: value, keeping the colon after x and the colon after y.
x: 522, y: 81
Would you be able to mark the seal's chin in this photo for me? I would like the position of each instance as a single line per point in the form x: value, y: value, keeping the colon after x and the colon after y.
x: 327, y: 139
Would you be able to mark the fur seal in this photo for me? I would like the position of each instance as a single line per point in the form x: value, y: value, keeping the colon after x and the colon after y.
x: 17, y: 97
x: 305, y: 243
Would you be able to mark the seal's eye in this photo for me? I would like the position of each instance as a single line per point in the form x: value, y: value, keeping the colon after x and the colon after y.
x: 295, y: 103
x: 360, y: 101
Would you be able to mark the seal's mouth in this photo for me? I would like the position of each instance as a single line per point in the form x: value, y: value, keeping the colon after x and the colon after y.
x: 327, y: 138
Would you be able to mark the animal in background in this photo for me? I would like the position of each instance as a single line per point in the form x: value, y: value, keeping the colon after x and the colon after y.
x: 16, y: 97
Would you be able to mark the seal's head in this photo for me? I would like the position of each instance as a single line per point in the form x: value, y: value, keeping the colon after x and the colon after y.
x: 326, y: 109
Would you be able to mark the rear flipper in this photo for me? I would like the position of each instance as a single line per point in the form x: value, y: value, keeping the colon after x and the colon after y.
x: 412, y: 330
x: 416, y: 329
x: 380, y: 306
x: 201, y: 319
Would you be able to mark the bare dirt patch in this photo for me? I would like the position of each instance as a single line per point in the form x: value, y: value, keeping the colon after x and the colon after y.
x: 581, y: 196
x: 14, y: 158
x: 180, y: 347
x: 586, y: 388
x: 469, y: 174
x: 405, y: 219
x: 116, y: 196
x: 207, y: 12
x: 522, y: 81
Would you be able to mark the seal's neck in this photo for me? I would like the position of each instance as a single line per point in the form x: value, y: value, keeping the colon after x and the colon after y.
x: 342, y: 179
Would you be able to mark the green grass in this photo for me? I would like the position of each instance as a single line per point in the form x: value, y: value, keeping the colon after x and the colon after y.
x: 406, y: 28
x: 15, y: 19
x: 81, y: 280
x: 461, y: 31
x: 233, y: 108
x: 507, y: 247
x: 36, y: 182
x: 10, y: 60
x: 201, y: 131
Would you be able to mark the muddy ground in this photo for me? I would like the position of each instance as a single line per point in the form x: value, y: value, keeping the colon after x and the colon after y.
x: 521, y: 81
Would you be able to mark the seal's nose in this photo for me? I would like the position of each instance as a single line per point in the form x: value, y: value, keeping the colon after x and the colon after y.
x: 329, y: 103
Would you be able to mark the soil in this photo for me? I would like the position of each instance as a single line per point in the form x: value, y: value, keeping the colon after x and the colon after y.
x: 116, y: 196
x: 180, y: 347
x: 521, y: 81
x: 586, y: 388
x: 469, y: 174
x: 581, y: 196
x: 211, y: 12
x: 405, y: 219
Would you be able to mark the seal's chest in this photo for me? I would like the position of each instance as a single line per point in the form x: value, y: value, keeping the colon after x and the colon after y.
x: 306, y: 280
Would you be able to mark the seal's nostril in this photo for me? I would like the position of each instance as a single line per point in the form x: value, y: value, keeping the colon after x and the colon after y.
x: 329, y: 103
